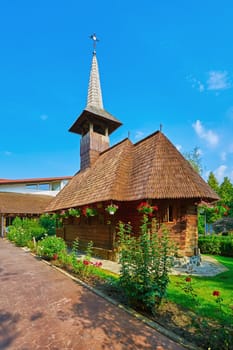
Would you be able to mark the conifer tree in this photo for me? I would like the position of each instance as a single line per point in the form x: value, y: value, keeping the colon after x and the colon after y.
x: 213, y: 182
x: 226, y: 192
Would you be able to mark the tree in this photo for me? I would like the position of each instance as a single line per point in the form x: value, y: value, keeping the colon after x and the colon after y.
x: 213, y: 182
x: 194, y: 158
x: 226, y: 191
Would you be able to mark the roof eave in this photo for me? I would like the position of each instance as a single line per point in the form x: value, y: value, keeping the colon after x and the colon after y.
x: 112, y: 122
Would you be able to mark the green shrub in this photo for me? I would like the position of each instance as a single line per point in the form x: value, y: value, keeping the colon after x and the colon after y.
x: 50, y: 246
x: 19, y: 236
x: 216, y: 245
x: 145, y: 264
x: 22, y: 231
x: 209, y: 245
x: 48, y: 222
x: 33, y: 228
x: 226, y: 246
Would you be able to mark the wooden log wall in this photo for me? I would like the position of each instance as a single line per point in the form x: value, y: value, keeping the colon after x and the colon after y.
x: 88, y: 229
x: 102, y: 229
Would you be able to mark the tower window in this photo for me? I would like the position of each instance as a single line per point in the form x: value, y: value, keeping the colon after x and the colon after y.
x: 99, y: 129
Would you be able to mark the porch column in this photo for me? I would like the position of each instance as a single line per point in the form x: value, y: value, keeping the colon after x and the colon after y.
x: 2, y: 225
x: 191, y: 241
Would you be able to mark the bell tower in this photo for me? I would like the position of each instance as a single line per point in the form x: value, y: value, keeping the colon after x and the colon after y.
x: 94, y: 124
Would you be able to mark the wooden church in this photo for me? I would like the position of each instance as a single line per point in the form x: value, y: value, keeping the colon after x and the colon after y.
x: 126, y: 174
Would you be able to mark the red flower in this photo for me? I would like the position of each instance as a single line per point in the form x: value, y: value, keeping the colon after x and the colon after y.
x: 55, y: 256
x: 84, y: 211
x: 188, y: 279
x: 216, y: 293
x: 86, y: 262
x: 143, y: 205
x: 146, y: 208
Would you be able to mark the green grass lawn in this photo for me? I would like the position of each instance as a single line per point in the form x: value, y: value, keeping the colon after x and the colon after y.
x: 204, y: 304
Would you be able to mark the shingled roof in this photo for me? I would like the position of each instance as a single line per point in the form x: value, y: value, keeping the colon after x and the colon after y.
x: 151, y: 168
x: 19, y: 203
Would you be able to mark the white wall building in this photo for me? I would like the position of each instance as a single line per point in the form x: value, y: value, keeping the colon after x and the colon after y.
x: 47, y: 186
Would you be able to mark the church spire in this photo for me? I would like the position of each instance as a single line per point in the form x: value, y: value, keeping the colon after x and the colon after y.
x: 94, y: 124
x: 94, y: 111
x: 94, y: 97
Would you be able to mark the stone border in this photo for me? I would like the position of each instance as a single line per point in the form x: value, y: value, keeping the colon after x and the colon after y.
x: 176, y: 338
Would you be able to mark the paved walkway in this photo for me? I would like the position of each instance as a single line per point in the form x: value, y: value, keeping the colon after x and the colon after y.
x: 40, y: 308
x: 208, y: 267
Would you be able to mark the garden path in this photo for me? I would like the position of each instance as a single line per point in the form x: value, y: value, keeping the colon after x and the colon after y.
x: 209, y: 267
x: 41, y: 308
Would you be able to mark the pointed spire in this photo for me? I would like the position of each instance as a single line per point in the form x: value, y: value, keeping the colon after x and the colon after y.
x: 94, y: 113
x: 94, y: 97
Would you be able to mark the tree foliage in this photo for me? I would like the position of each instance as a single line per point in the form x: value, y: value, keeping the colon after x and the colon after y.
x: 194, y: 158
x: 226, y: 191
x: 213, y: 182
x: 221, y: 210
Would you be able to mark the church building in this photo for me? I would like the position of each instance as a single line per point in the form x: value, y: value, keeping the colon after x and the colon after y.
x: 124, y: 175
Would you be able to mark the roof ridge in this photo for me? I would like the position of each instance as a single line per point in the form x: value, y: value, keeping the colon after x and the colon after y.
x: 147, y: 137
x: 117, y: 144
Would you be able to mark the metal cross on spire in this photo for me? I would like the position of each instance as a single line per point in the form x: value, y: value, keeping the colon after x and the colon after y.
x: 95, y: 39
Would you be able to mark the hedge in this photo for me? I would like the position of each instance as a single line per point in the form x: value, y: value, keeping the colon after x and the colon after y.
x: 216, y: 245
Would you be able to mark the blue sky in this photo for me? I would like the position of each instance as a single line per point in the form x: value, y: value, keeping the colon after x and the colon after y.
x: 161, y: 62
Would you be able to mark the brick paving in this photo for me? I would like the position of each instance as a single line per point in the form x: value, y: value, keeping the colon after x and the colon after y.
x: 40, y: 308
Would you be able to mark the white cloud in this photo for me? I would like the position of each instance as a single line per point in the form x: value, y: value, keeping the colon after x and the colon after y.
x: 201, y: 87
x: 196, y: 84
x: 208, y: 135
x: 199, y: 152
x: 223, y: 156
x: 220, y: 173
x: 218, y: 80
x: 43, y: 117
x: 179, y: 147
x: 139, y: 135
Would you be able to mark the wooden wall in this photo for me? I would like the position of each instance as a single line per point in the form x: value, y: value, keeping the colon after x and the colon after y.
x: 89, y: 229
x: 102, y: 229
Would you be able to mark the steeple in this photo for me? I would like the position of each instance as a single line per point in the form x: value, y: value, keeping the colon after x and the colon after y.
x: 95, y: 124
x: 94, y: 96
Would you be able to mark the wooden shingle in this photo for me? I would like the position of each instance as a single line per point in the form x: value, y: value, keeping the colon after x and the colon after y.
x: 151, y: 168
x: 19, y: 203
